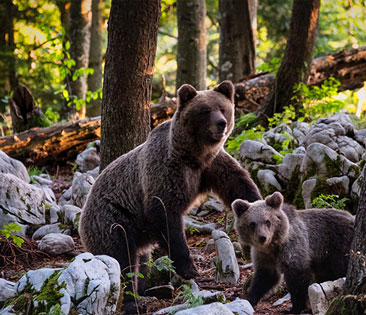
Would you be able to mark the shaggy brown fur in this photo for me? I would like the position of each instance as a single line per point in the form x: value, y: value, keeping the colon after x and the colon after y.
x: 140, y: 198
x: 304, y: 245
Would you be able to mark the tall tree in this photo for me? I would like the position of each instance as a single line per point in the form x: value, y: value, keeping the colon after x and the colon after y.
x: 298, y: 56
x: 95, y: 57
x: 353, y: 299
x: 80, y: 20
x: 237, y: 39
x: 9, y: 78
x: 191, y: 50
x: 132, y: 36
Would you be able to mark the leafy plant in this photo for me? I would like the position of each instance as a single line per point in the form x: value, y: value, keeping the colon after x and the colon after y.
x: 330, y: 201
x: 166, y: 264
x: 9, y: 231
x: 188, y: 297
x: 287, y: 116
x: 272, y: 66
x: 233, y: 144
x: 319, y: 101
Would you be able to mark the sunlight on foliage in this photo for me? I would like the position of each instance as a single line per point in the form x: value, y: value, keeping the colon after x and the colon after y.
x: 9, y: 231
x: 330, y: 201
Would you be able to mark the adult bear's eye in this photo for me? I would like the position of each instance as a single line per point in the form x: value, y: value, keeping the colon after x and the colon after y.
x: 252, y: 226
x: 205, y: 110
x: 268, y: 223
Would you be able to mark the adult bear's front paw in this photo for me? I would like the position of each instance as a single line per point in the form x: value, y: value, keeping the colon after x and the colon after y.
x: 187, y: 271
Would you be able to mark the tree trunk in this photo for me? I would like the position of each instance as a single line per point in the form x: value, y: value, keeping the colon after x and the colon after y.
x: 297, y: 59
x: 7, y: 46
x: 356, y: 274
x: 237, y: 47
x: 129, y: 67
x: 191, y: 50
x: 354, y: 298
x: 95, y: 58
x: 54, y: 144
x: 80, y: 13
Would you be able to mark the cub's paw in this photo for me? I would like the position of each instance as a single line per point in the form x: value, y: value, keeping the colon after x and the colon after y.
x: 187, y: 271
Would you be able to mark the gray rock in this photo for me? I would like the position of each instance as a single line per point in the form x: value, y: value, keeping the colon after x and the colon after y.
x: 360, y: 137
x: 54, y: 214
x: 210, y: 246
x: 88, y: 160
x: 268, y: 181
x: 307, y: 188
x: 212, y: 205
x: 299, y: 150
x: 337, y: 133
x: 210, y: 297
x: 238, y: 249
x: 48, y: 229
x: 20, y: 202
x: 77, y: 193
x: 209, y: 309
x: 90, y: 285
x: 94, y: 172
x: 70, y: 215
x: 257, y: 151
x: 194, y: 226
x: 282, y: 300
x: 339, y: 185
x: 320, y: 295
x: 9, y: 165
x: 56, y: 244
x: 227, y: 268
x: 7, y: 289
x: 240, y: 307
x: 159, y: 272
x: 290, y: 164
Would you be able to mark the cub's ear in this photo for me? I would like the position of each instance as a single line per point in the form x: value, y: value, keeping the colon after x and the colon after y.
x: 240, y: 206
x: 226, y: 88
x: 185, y: 93
x: 275, y: 200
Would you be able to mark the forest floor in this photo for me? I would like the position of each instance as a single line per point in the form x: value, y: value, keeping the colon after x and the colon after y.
x: 18, y: 261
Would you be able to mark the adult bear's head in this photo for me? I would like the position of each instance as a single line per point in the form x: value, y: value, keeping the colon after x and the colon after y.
x: 207, y: 116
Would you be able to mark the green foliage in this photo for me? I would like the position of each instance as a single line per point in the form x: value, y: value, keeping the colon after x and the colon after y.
x: 233, y: 144
x: 9, y: 231
x: 166, y: 264
x: 189, y: 297
x: 286, y: 117
x: 319, y: 101
x: 272, y: 66
x: 329, y: 201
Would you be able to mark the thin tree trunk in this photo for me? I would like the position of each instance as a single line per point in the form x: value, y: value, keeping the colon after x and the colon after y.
x: 129, y: 68
x: 191, y: 51
x: 237, y: 46
x: 298, y: 56
x: 95, y: 58
x: 80, y: 13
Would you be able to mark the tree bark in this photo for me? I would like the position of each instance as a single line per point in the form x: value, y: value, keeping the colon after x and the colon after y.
x: 297, y: 59
x: 348, y: 66
x: 80, y: 13
x: 132, y: 38
x: 9, y: 78
x: 95, y: 58
x: 356, y: 273
x: 237, y: 41
x: 354, y: 296
x: 51, y: 145
x: 191, y: 50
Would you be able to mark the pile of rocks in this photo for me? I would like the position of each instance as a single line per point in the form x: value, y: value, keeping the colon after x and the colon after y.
x: 328, y: 159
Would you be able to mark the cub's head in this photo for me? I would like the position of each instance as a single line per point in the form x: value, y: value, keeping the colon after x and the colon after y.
x: 262, y: 223
x: 207, y: 115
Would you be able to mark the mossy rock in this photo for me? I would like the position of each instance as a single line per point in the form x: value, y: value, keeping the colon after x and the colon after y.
x: 348, y: 305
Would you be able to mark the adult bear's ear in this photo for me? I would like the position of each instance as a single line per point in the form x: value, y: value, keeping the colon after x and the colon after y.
x: 226, y: 88
x: 185, y: 93
x: 240, y: 206
x: 275, y: 200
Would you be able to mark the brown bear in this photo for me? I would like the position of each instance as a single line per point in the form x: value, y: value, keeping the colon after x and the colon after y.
x: 304, y: 245
x: 139, y: 200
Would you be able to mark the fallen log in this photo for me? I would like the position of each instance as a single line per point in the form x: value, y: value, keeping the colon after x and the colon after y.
x: 50, y: 145
x: 347, y: 66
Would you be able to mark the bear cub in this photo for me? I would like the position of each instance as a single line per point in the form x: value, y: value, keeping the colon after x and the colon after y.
x: 305, y: 245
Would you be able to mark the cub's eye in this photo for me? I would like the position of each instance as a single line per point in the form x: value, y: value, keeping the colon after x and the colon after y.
x: 268, y: 223
x: 222, y: 110
x: 252, y: 226
x: 205, y: 110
